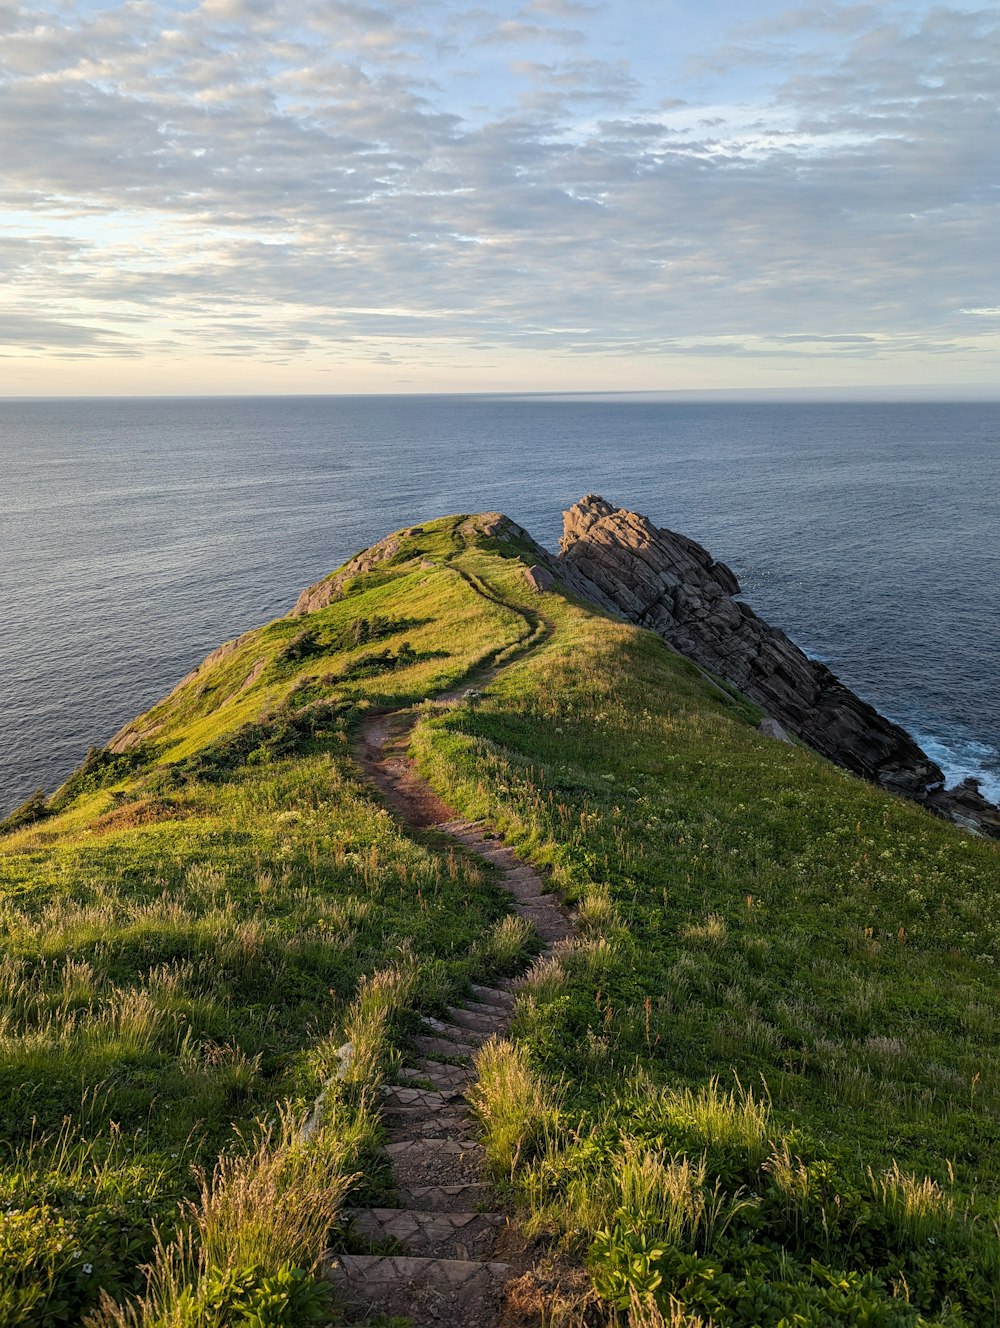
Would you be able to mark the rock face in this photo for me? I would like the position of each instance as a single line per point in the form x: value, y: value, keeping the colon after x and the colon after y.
x: 965, y: 805
x: 666, y: 582
x: 539, y: 578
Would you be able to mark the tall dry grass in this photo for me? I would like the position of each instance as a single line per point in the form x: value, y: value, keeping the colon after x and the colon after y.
x: 519, y: 1113
x: 266, y: 1205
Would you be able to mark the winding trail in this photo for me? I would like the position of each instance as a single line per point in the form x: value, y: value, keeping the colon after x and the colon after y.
x: 448, y: 1274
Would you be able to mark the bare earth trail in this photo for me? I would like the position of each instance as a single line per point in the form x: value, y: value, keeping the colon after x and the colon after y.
x: 448, y: 1274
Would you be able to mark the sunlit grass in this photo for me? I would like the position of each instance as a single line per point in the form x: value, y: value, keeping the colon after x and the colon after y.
x: 783, y: 992
x: 194, y: 934
x: 759, y: 1083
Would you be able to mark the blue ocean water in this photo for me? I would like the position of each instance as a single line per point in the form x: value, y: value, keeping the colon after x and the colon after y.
x: 135, y: 535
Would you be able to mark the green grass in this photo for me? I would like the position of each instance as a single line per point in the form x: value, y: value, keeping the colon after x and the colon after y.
x: 762, y: 1085
x: 752, y: 919
x: 193, y: 929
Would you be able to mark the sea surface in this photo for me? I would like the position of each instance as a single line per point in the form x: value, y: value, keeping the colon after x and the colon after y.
x: 136, y: 535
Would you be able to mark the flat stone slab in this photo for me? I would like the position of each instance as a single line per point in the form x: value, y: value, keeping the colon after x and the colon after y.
x: 492, y: 995
x: 538, y: 901
x: 416, y: 1123
x: 453, y: 1293
x: 439, y: 1046
x: 440, y: 1076
x: 500, y: 857
x: 481, y: 1025
x: 471, y: 839
x: 524, y: 890
x: 444, y: 1198
x: 456, y: 1032
x: 426, y: 1232
x: 435, y: 1161
x: 481, y: 1007
x: 522, y: 872
x: 550, y: 925
x: 400, y: 1098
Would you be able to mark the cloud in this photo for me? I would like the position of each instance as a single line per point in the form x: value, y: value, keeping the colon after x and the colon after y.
x: 26, y: 331
x: 518, y: 32
x: 227, y: 179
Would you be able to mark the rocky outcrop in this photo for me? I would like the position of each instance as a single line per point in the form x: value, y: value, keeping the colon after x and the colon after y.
x: 402, y: 544
x: 772, y: 729
x: 666, y: 582
x: 965, y: 805
x: 322, y: 593
x: 539, y: 578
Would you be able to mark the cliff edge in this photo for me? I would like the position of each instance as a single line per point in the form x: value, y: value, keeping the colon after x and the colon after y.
x: 668, y: 583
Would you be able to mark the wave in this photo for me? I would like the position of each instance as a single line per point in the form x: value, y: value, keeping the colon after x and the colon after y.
x: 961, y: 757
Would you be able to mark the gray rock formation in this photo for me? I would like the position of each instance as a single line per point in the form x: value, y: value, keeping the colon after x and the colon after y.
x: 772, y: 729
x: 965, y: 805
x: 666, y: 582
x: 539, y: 578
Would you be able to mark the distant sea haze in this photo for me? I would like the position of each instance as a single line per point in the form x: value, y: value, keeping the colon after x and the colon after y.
x: 136, y: 535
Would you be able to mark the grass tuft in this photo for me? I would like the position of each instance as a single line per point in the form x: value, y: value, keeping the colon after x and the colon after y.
x: 518, y: 1112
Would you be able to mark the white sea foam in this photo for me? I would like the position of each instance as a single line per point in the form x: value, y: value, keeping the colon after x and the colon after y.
x: 961, y: 757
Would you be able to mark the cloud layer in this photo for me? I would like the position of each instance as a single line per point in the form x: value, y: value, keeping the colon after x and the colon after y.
x: 429, y: 184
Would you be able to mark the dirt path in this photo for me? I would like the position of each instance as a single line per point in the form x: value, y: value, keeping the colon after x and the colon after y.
x: 445, y: 1272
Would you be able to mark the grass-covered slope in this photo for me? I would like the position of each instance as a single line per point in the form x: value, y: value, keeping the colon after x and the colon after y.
x: 766, y: 1081
x: 184, y: 931
x: 761, y: 1088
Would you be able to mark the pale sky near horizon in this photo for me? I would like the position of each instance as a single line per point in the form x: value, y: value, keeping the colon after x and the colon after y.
x: 241, y: 196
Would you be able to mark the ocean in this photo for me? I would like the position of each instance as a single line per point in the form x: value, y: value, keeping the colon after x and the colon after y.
x: 136, y: 535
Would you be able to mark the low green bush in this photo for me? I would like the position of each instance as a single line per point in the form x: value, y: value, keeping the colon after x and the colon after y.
x: 34, y: 808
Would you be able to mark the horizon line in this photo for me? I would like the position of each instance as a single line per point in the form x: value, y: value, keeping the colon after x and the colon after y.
x: 956, y: 394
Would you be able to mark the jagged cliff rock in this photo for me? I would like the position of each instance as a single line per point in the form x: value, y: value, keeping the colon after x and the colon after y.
x: 666, y: 582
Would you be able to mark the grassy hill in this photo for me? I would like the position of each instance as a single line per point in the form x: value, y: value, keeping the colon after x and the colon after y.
x: 760, y: 1087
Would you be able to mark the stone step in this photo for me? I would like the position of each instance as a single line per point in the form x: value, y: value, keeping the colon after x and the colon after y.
x: 493, y: 995
x: 440, y: 1076
x: 550, y: 925
x: 480, y: 1025
x: 531, y: 911
x: 522, y: 873
x: 453, y: 1293
x: 527, y: 889
x: 455, y: 1032
x: 471, y: 838
x: 459, y: 823
x: 500, y: 857
x: 444, y: 1198
x: 467, y: 1235
x: 417, y: 1123
x: 398, y: 1098
x: 478, y: 1007
x: 439, y: 1046
x: 535, y: 901
x: 435, y: 1161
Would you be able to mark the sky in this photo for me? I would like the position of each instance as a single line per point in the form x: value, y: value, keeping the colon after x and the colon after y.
x: 245, y: 196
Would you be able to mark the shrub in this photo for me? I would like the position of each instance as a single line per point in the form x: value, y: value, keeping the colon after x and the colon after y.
x: 101, y: 767
x: 34, y: 808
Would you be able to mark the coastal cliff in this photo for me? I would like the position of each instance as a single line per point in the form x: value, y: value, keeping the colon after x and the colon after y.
x: 459, y: 831
x: 619, y: 562
x: 666, y: 582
